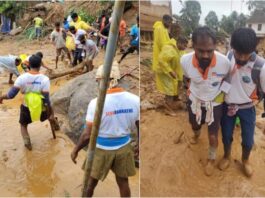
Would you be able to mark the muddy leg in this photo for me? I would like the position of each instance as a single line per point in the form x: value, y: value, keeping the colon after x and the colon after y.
x: 92, y: 183
x: 123, y: 184
x: 25, y: 136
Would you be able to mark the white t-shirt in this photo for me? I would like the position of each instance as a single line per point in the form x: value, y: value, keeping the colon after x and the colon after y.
x: 78, y: 33
x: 205, y: 87
x: 29, y: 82
x: 7, y: 63
x: 57, y: 38
x: 243, y: 89
x: 121, y: 111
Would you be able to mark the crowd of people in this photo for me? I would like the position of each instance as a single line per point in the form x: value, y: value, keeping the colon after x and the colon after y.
x: 220, y: 88
x: 75, y: 38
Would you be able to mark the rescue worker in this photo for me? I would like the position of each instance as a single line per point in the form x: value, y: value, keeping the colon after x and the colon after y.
x: 36, y: 105
x: 161, y: 36
x: 206, y: 69
x: 113, y: 151
x: 170, y: 70
x: 10, y: 64
x: 247, y: 78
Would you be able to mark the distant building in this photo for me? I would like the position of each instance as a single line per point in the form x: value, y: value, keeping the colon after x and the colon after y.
x: 150, y: 12
x: 257, y: 23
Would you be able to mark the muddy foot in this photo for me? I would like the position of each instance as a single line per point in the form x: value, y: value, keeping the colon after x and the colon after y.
x: 194, y: 139
x: 209, y: 168
x: 224, y: 164
x: 248, y: 171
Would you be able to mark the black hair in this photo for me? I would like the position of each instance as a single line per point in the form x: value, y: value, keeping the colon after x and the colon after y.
x: 244, y: 40
x: 81, y: 37
x: 40, y: 54
x: 167, y: 17
x: 182, y: 39
x: 57, y: 24
x: 65, y: 18
x: 18, y: 60
x: 74, y: 15
x: 72, y: 28
x: 203, y: 32
x: 35, y: 61
x: 137, y: 18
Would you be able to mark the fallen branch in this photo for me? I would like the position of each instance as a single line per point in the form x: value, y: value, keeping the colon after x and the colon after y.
x: 73, y: 70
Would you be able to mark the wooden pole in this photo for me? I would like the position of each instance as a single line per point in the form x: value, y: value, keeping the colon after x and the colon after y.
x: 110, y: 53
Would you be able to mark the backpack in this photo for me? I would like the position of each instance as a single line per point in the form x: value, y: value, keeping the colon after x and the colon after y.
x: 255, y: 74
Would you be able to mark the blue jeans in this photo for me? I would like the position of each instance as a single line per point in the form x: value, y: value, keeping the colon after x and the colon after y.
x: 38, y: 32
x: 247, y: 121
x: 77, y: 54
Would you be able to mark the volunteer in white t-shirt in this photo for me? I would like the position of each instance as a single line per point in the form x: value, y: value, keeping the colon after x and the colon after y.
x: 206, y: 69
x: 113, y: 150
x: 247, y: 73
x: 31, y: 83
x: 77, y: 54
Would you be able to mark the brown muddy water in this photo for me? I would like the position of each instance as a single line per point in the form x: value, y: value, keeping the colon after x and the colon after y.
x: 47, y: 170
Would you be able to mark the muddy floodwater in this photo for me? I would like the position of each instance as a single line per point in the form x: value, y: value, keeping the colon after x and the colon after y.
x: 47, y: 170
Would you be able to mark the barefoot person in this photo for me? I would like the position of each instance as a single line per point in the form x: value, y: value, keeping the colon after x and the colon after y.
x: 58, y: 37
x: 113, y: 151
x: 10, y: 64
x: 247, y: 86
x: 206, y: 69
x: 26, y: 66
x: 91, y: 51
x: 36, y: 105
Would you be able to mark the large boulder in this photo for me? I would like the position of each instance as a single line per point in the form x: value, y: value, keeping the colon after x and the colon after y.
x: 70, y: 102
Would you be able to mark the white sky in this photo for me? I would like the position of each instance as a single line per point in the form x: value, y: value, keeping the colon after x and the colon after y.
x: 221, y: 7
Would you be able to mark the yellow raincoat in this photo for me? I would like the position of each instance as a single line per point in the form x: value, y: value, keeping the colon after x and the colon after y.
x: 169, y: 61
x: 161, y: 37
x: 79, y: 24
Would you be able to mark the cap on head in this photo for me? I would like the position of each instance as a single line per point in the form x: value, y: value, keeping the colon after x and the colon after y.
x: 114, y: 74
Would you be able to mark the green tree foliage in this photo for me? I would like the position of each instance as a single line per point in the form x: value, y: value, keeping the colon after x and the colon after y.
x: 211, y: 20
x: 190, y: 16
x: 232, y: 22
x: 86, y: 17
x: 11, y: 8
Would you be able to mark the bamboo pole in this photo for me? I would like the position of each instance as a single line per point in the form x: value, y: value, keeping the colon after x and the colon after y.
x: 110, y: 53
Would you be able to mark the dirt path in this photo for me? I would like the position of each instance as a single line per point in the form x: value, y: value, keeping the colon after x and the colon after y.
x: 47, y: 170
x: 170, y: 169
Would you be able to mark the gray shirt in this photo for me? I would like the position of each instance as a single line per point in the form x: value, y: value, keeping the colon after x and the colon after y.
x: 57, y: 38
x: 90, y: 47
x: 8, y: 63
